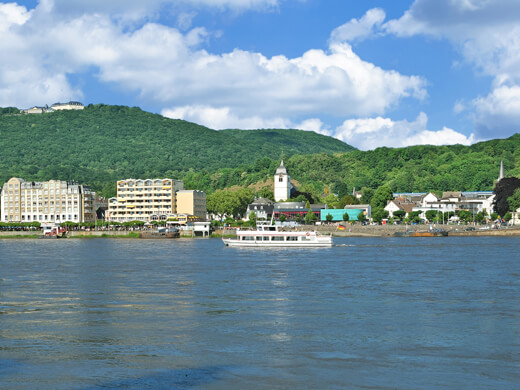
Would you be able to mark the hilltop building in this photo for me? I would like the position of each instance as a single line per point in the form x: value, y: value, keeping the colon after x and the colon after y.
x: 50, y: 201
x: 38, y: 110
x: 154, y: 200
x: 282, y: 184
x: 55, y: 107
x: 68, y: 106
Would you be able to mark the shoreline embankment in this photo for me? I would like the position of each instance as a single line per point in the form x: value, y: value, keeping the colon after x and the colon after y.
x: 390, y: 230
x: 349, y: 231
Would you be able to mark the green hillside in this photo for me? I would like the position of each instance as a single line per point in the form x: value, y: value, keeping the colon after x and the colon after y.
x: 102, y: 144
x: 412, y: 169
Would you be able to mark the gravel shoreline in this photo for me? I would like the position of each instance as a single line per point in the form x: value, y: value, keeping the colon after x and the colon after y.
x: 389, y: 230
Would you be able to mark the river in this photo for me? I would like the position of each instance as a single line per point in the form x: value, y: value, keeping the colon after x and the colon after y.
x: 368, y: 313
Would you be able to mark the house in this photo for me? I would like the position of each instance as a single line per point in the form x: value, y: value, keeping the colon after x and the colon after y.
x: 356, y: 194
x: 399, y: 204
x: 453, y: 201
x: 262, y: 207
x: 515, y: 218
x: 429, y: 198
x: 451, y: 196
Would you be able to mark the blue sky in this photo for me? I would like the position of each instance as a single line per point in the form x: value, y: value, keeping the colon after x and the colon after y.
x: 371, y: 73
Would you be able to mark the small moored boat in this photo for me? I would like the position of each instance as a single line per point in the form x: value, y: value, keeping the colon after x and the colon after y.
x: 53, y: 232
x: 430, y: 233
x: 267, y: 235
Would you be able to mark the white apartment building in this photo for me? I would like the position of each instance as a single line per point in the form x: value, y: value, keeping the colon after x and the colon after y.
x: 144, y: 200
x: 50, y: 201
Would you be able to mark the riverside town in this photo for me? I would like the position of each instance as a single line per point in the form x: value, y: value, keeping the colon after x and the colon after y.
x: 144, y: 205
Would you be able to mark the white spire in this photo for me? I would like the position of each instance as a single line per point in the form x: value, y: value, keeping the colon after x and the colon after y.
x: 281, y: 169
x: 501, y: 174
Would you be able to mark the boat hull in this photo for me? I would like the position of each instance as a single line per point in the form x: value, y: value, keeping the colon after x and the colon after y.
x: 272, y: 236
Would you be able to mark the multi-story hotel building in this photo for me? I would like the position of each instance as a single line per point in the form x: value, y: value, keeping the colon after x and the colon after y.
x: 192, y: 202
x: 48, y: 201
x: 145, y: 200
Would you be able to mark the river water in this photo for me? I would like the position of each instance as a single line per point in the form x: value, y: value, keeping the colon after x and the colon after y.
x: 369, y: 313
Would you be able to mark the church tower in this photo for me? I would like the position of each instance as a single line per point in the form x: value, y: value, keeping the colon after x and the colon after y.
x: 282, y: 184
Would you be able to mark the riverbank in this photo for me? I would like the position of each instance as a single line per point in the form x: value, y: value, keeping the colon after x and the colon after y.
x: 349, y: 231
x: 389, y: 230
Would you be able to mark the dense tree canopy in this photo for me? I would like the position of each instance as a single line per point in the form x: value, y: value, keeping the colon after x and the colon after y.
x: 504, y: 189
x: 514, y: 200
x: 102, y: 144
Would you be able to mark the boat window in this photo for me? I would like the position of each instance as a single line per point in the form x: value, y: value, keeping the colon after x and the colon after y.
x: 292, y: 238
x: 266, y: 238
x: 258, y: 238
x: 277, y: 238
x: 247, y: 238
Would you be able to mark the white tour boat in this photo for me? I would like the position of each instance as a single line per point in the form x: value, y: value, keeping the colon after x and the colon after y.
x: 267, y: 235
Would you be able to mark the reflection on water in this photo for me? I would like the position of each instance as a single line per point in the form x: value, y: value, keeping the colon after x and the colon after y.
x: 367, y: 313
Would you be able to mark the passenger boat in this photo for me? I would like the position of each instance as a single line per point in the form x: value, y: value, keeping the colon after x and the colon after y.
x: 268, y: 235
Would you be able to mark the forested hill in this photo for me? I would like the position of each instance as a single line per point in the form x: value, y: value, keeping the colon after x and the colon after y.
x: 413, y: 169
x: 102, y: 143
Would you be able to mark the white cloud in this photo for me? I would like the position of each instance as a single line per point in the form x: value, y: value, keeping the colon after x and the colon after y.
x: 12, y: 14
x: 169, y: 67
x: 498, y: 114
x: 370, y: 133
x: 223, y: 118
x: 364, y: 134
x: 487, y: 33
x: 337, y: 82
x: 25, y: 79
x: 358, y: 29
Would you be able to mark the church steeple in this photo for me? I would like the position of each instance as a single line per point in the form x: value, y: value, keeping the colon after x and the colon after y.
x: 282, y: 184
x: 501, y: 174
x: 281, y: 169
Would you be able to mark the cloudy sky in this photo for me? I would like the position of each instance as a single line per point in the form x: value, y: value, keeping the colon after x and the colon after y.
x: 371, y: 73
